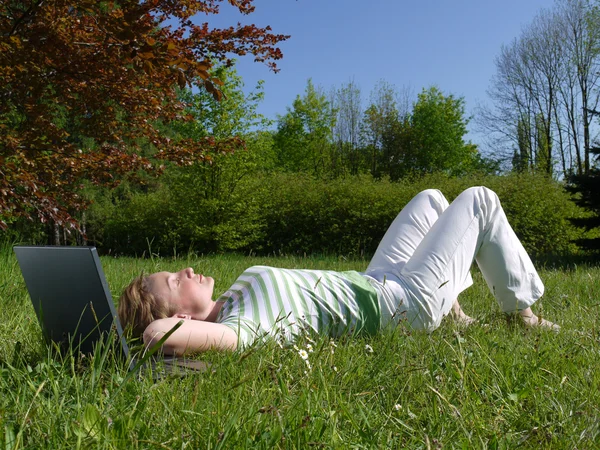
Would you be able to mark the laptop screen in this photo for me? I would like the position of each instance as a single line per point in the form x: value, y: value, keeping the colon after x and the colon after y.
x: 70, y: 294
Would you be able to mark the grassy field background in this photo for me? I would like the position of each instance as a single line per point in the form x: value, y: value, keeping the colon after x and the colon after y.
x: 492, y: 385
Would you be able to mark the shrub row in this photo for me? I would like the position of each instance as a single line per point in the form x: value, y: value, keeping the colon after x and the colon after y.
x: 292, y: 213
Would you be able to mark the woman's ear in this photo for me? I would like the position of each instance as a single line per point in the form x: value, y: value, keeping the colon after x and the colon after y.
x: 183, y: 316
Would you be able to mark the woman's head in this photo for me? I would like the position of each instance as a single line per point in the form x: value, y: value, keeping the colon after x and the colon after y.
x: 165, y: 294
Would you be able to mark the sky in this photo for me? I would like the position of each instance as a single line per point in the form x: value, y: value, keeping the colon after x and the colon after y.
x: 410, y: 44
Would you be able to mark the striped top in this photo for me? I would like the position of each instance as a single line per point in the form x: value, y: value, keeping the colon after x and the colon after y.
x: 283, y: 303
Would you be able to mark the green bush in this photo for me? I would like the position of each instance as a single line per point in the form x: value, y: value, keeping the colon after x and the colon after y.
x: 350, y: 216
x: 295, y: 214
x: 538, y: 208
x: 175, y: 219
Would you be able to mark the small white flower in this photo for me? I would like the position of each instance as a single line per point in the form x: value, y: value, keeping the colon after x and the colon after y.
x: 332, y: 343
x: 308, y: 364
x: 368, y: 348
x: 397, y: 406
x: 303, y: 354
x: 309, y: 348
x: 334, y: 369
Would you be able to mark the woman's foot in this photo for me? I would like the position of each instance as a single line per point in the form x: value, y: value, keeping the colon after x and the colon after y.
x: 530, y: 320
x: 459, y: 316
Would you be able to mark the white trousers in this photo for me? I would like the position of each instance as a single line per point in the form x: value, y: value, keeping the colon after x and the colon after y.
x: 423, y: 261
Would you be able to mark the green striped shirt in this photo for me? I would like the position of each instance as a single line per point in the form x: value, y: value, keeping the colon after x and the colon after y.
x: 284, y: 303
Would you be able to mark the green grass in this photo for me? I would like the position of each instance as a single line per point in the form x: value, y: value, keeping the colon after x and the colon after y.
x: 494, y: 386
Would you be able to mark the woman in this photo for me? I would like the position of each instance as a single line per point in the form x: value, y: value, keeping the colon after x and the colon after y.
x: 420, y: 267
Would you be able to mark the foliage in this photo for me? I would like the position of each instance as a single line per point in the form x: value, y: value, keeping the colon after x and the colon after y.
x: 284, y: 213
x: 350, y: 216
x: 303, y: 138
x: 428, y: 139
x: 438, y: 128
x: 588, y: 188
x: 493, y: 386
x: 235, y: 114
x: 347, y: 108
x: 378, y: 119
x: 83, y: 85
x: 209, y: 207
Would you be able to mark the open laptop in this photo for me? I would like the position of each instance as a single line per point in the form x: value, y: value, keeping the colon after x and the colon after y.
x: 73, y: 303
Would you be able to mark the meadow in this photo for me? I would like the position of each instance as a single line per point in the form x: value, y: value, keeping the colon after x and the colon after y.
x: 492, y: 385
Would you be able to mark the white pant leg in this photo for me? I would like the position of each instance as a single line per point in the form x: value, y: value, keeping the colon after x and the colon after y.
x: 398, y: 245
x: 407, y: 231
x: 473, y: 227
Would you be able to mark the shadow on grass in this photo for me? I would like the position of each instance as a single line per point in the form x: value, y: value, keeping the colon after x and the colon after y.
x: 567, y: 262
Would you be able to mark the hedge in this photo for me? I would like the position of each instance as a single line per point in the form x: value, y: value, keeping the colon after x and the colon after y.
x: 296, y: 214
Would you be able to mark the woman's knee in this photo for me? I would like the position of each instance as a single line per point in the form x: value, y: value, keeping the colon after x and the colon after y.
x: 481, y: 192
x: 435, y: 195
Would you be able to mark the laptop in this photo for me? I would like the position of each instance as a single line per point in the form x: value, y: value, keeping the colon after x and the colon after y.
x: 73, y: 303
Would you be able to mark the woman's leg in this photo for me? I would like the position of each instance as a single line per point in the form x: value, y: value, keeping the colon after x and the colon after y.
x: 473, y: 227
x: 407, y: 231
x: 398, y: 245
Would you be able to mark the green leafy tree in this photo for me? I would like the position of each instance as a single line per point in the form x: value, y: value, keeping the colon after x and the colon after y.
x: 438, y: 128
x: 106, y: 72
x: 378, y: 120
x: 235, y: 114
x: 523, y: 155
x: 543, y: 141
x: 205, y: 202
x: 304, y: 134
x: 395, y: 158
x: 430, y: 139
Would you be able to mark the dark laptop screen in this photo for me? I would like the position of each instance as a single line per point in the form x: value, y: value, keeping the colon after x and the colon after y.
x: 69, y: 293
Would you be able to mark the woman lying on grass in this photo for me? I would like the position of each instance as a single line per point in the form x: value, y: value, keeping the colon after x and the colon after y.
x: 420, y: 267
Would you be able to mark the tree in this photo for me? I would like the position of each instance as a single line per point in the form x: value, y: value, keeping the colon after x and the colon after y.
x: 83, y: 85
x: 382, y: 114
x: 395, y: 158
x: 545, y: 84
x: 347, y: 103
x: 525, y: 91
x: 303, y: 138
x: 580, y: 30
x: 523, y: 154
x: 588, y: 188
x: 234, y: 116
x: 437, y: 130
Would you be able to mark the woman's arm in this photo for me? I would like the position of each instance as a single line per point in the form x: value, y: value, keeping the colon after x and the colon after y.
x: 193, y: 336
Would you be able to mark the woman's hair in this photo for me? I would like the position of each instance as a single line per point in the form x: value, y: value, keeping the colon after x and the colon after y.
x: 139, y: 306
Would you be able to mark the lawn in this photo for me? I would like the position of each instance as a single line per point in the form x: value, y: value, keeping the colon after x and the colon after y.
x: 492, y: 385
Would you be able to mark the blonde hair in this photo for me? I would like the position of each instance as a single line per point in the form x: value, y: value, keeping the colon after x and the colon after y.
x: 139, y: 306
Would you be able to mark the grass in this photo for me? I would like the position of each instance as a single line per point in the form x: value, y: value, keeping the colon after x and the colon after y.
x: 496, y: 386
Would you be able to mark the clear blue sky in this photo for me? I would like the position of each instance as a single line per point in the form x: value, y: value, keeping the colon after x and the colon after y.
x: 419, y: 43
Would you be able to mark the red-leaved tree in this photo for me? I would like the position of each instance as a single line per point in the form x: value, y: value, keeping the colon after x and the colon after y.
x: 84, y: 84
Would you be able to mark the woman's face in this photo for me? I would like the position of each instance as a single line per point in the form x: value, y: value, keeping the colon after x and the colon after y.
x: 189, y: 292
